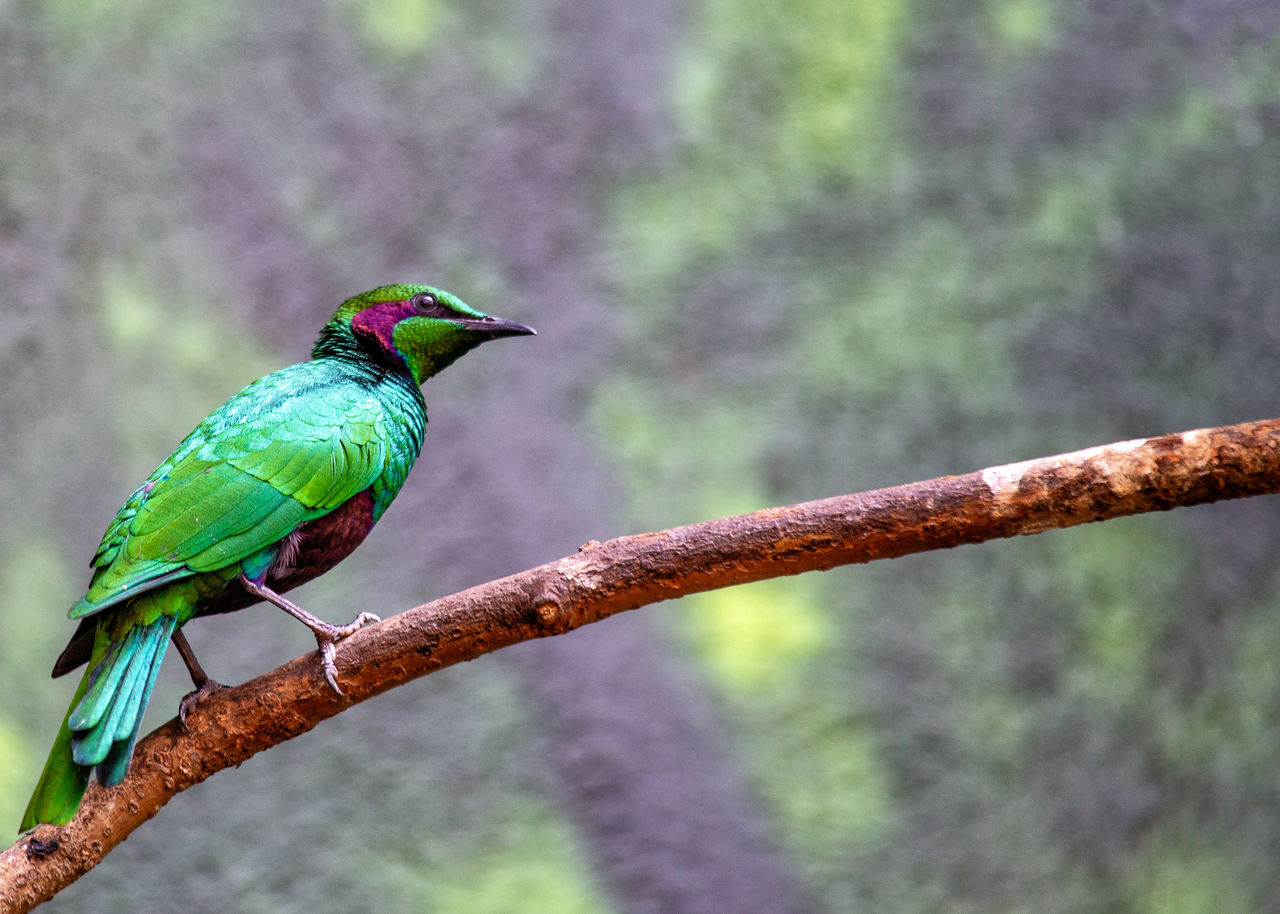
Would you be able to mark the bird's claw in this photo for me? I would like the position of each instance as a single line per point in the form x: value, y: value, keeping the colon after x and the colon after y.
x: 193, y: 698
x: 328, y: 654
x: 328, y: 639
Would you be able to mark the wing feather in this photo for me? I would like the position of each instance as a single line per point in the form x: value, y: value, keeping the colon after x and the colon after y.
x: 287, y: 449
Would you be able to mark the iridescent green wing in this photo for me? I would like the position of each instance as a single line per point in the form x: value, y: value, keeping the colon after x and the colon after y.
x: 269, y: 459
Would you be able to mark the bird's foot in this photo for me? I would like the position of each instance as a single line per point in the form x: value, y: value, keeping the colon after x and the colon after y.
x: 327, y: 637
x: 194, y: 697
x: 327, y: 634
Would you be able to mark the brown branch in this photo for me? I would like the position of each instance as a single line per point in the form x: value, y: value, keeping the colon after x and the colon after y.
x: 602, y: 579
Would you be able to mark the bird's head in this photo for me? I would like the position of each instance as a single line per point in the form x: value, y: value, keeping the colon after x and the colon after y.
x: 420, y: 327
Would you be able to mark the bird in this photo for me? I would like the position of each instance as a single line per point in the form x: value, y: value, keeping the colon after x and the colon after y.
x: 273, y: 488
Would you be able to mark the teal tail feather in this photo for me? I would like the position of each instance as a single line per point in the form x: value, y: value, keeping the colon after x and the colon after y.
x: 102, y: 723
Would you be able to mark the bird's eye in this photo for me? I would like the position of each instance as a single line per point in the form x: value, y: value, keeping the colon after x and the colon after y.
x: 424, y: 301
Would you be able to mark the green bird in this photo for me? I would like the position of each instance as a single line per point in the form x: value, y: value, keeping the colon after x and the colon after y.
x: 275, y: 487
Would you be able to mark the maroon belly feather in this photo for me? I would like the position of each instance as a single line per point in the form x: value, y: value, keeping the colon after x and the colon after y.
x: 318, y: 545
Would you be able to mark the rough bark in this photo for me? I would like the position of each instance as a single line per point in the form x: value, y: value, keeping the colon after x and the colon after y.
x: 602, y: 579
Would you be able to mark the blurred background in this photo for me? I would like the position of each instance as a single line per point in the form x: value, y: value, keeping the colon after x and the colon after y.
x: 775, y: 251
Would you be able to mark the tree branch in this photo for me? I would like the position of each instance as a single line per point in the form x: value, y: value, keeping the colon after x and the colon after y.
x: 602, y: 579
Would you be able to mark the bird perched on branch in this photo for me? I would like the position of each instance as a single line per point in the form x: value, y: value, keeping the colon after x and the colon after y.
x: 275, y: 487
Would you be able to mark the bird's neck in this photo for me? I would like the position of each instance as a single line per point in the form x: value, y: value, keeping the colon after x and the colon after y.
x: 339, y: 343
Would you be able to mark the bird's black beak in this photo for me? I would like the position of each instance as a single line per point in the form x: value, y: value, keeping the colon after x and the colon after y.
x: 494, y: 327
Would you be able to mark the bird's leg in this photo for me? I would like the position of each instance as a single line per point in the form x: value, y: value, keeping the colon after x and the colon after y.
x: 327, y: 635
x: 199, y: 678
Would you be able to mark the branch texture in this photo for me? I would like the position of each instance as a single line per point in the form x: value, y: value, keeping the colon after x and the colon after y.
x: 601, y: 579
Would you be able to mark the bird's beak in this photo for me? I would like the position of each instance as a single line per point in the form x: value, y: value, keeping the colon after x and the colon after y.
x: 494, y: 327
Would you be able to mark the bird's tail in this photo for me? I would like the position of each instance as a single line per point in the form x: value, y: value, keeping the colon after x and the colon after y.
x: 102, y: 723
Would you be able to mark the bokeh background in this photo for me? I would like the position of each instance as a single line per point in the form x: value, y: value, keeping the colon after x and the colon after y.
x: 775, y: 251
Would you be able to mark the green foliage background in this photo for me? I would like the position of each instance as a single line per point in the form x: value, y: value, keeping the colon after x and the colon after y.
x: 813, y: 247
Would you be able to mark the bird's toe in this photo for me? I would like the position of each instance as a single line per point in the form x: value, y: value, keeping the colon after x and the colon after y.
x: 194, y: 697
x: 328, y: 659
